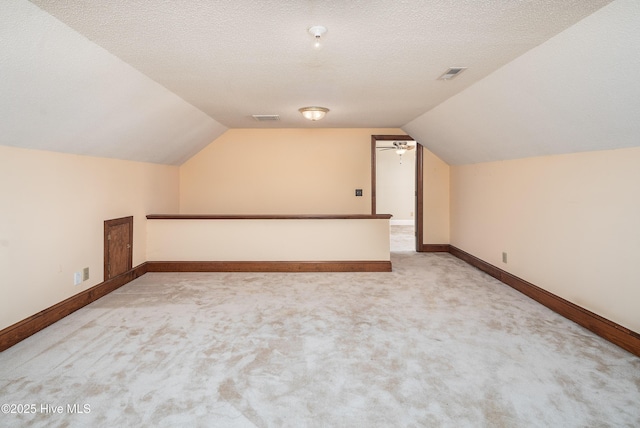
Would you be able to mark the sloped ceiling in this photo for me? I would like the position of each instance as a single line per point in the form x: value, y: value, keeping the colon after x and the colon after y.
x: 579, y: 91
x: 156, y: 81
x: 61, y: 92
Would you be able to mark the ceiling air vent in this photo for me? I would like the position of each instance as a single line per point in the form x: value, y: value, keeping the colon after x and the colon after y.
x: 266, y: 117
x: 451, y: 73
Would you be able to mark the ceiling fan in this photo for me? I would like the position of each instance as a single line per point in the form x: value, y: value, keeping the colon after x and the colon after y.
x: 400, y: 147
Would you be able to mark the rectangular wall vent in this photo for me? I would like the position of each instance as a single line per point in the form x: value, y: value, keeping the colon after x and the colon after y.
x: 266, y: 117
x: 451, y: 73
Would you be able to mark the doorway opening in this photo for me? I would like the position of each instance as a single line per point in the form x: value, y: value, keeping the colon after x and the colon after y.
x: 396, y: 183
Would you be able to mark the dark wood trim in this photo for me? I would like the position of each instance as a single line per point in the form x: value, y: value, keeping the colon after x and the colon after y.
x: 609, y: 330
x: 613, y: 332
x: 373, y: 174
x: 271, y: 266
x: 419, y: 227
x: 434, y: 248
x: 268, y: 217
x: 419, y: 202
x: 475, y: 262
x: 29, y: 326
x: 391, y: 138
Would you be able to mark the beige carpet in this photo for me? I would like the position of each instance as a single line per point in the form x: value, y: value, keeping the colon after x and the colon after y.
x: 434, y: 343
x: 402, y: 238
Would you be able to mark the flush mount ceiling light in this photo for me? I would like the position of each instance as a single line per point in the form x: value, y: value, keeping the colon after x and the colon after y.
x: 317, y: 31
x: 313, y: 113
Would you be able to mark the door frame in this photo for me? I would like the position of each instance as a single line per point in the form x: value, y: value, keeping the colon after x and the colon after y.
x: 419, y: 214
x: 108, y: 224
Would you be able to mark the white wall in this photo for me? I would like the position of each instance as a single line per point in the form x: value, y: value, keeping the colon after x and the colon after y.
x: 396, y: 184
x: 52, y: 217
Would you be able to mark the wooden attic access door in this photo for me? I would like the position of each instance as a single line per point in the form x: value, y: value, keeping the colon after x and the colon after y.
x: 118, y: 246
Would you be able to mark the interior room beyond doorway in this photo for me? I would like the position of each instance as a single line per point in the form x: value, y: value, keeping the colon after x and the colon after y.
x: 395, y: 190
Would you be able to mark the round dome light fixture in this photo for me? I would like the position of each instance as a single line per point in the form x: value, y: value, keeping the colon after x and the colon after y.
x: 313, y: 113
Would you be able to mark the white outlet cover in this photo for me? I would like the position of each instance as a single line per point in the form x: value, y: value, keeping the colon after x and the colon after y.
x: 77, y: 278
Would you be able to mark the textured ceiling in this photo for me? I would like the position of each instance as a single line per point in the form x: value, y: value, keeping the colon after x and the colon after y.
x: 60, y: 92
x: 578, y: 91
x: 377, y: 68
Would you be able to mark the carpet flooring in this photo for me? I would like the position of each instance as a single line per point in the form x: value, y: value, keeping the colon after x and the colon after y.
x: 434, y: 343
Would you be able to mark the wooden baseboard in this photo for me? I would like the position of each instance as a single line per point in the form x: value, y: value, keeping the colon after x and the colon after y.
x: 233, y: 266
x: 609, y: 330
x: 433, y: 248
x: 29, y: 326
x: 25, y: 328
x: 615, y: 333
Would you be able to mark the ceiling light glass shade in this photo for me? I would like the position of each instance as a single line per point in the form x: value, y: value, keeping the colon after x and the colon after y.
x: 401, y: 151
x: 313, y: 113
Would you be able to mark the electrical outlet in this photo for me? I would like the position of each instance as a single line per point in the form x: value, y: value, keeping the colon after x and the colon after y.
x: 77, y: 278
x: 504, y: 257
x: 85, y: 274
x: 358, y: 192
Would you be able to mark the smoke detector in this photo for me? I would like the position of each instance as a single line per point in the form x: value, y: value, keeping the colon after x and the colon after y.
x: 317, y: 31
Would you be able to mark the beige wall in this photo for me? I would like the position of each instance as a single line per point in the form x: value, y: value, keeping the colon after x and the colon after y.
x: 569, y: 224
x: 268, y: 240
x: 301, y: 171
x: 435, y: 199
x: 54, y: 205
x: 52, y: 216
x: 281, y: 171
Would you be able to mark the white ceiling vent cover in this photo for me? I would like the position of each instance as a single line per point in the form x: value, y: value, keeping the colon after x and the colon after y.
x: 451, y: 73
x: 266, y: 117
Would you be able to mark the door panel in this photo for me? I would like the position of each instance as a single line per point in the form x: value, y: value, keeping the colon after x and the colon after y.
x: 118, y: 246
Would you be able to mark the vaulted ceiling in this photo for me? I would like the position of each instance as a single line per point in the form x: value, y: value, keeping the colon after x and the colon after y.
x: 158, y: 80
x: 377, y: 67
